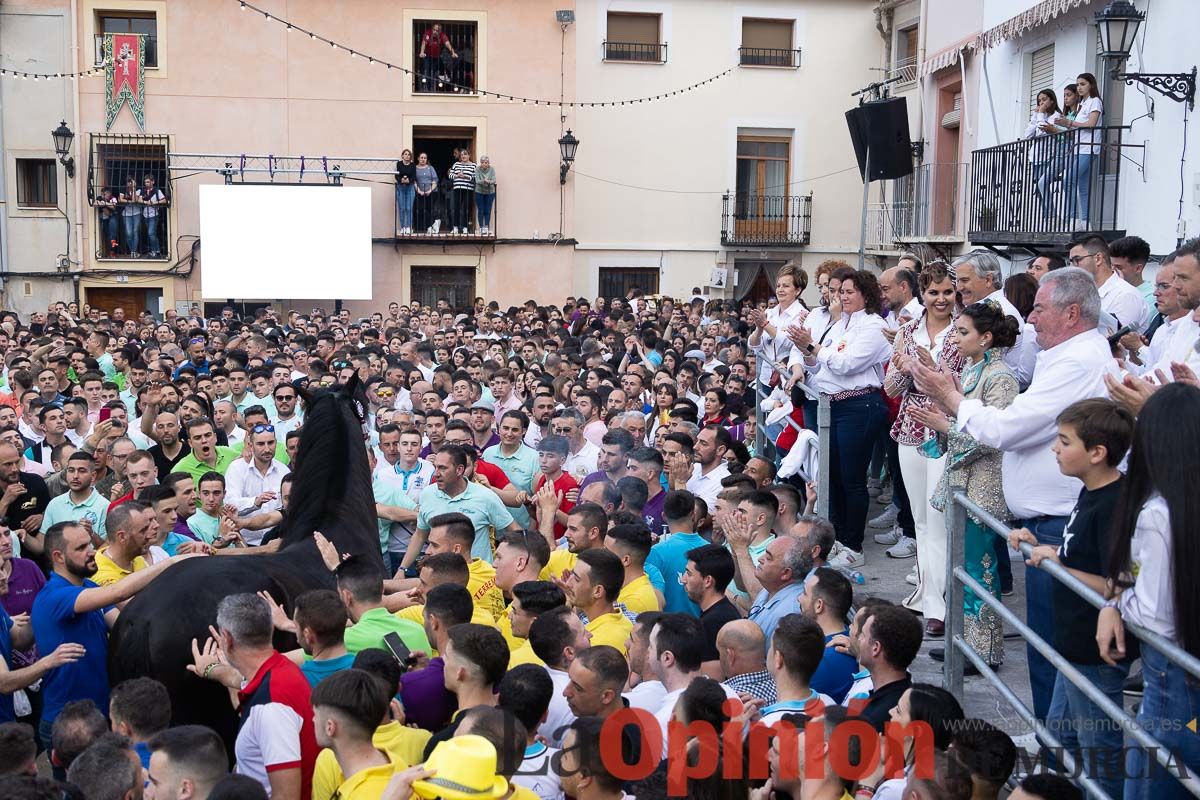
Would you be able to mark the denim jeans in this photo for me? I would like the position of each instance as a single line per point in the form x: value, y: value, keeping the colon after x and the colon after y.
x: 110, y: 231
x: 1039, y: 612
x: 1003, y: 564
x: 405, y: 194
x: 1087, y: 732
x: 483, y: 208
x: 132, y: 225
x: 429, y: 76
x: 1170, y: 701
x: 1079, y: 186
x: 152, y: 235
x: 854, y: 425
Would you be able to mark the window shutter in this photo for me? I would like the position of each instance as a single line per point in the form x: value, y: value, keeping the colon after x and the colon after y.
x: 1041, y: 75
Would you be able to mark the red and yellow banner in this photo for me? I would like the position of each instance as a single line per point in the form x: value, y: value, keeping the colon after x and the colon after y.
x: 125, y: 76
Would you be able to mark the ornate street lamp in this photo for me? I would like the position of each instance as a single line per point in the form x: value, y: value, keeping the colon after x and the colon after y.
x: 1118, y: 25
x: 63, y: 137
x: 567, y: 146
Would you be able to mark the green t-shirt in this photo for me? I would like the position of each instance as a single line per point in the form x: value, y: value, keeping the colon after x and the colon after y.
x: 204, y: 526
x: 372, y: 626
x: 196, y: 468
x: 389, y: 493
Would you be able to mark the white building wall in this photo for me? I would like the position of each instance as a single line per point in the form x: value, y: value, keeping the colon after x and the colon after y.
x: 687, y: 143
x: 35, y: 240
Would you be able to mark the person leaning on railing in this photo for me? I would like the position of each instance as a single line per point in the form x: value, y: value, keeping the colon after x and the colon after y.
x: 1151, y: 577
x: 1044, y: 153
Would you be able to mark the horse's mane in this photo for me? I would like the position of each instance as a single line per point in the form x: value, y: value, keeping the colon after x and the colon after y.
x: 331, y: 490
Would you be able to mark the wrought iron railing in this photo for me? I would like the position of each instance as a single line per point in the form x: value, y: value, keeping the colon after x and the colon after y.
x: 126, y: 225
x: 905, y: 69
x: 442, y: 69
x: 1045, y: 189
x: 756, y: 219
x: 650, y: 53
x: 769, y: 57
x: 434, y: 217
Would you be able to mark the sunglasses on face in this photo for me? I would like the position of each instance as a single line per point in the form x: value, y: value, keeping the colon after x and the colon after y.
x: 263, y: 429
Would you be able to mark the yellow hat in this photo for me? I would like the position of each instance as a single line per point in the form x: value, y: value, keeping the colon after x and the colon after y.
x: 465, y: 768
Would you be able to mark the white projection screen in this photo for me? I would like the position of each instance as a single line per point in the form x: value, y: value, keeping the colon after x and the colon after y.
x: 285, y: 242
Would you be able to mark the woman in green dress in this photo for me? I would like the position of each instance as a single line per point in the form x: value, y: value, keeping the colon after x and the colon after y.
x: 984, y: 333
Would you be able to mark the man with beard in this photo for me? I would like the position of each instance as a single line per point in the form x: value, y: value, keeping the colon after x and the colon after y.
x: 71, y: 608
x: 23, y: 498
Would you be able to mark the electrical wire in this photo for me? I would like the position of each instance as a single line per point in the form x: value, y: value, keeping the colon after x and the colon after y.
x: 710, y: 192
x: 512, y: 98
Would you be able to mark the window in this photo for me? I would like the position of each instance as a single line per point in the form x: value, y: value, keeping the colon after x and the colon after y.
x: 904, y: 65
x: 455, y: 285
x: 768, y: 43
x: 444, y: 57
x: 37, y: 182
x: 1041, y: 75
x: 634, y: 37
x: 617, y: 281
x: 128, y: 22
x: 123, y: 172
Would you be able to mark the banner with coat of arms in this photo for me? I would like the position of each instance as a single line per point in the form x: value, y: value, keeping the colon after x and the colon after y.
x: 125, y: 76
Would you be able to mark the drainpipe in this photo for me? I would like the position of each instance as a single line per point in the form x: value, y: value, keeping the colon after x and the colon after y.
x: 81, y: 163
x: 3, y: 213
x: 921, y: 39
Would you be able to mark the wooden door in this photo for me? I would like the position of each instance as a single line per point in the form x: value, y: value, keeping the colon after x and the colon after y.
x: 761, y: 210
x: 109, y: 297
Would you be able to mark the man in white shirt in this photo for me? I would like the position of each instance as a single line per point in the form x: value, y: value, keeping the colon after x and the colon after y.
x: 1075, y: 358
x: 584, y: 456
x: 225, y: 416
x: 287, y: 416
x: 709, y: 452
x: 900, y: 294
x: 253, y: 486
x: 675, y: 654
x: 1144, y: 358
x: 978, y: 277
x: 1117, y: 297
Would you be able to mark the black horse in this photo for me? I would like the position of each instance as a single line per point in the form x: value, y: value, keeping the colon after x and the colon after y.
x: 331, y: 493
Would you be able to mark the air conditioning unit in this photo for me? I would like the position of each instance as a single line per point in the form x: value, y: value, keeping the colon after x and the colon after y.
x: 565, y: 16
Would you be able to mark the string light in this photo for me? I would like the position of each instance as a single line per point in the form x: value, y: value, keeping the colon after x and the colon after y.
x: 37, y: 76
x: 461, y: 88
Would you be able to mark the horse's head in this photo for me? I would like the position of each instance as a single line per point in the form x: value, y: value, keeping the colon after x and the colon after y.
x: 331, y: 491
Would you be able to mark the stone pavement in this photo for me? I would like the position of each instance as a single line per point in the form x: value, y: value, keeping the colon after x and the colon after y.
x: 885, y: 578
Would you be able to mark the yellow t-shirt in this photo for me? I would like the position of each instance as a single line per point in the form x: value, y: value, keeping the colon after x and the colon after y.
x: 109, y: 572
x: 522, y: 792
x: 366, y: 784
x: 638, y: 595
x: 504, y: 625
x: 482, y: 586
x: 559, y: 560
x: 404, y: 746
x: 479, y: 615
x: 524, y: 655
x: 611, y: 629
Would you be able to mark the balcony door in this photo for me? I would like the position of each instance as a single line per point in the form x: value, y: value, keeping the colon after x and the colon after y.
x: 762, y: 186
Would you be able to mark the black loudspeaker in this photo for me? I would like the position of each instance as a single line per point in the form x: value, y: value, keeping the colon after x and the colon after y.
x: 881, y: 125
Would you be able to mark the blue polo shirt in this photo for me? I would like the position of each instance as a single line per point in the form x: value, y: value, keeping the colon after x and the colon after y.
x: 768, y: 610
x: 670, y: 558
x: 55, y: 622
x: 522, y: 469
x: 6, y: 700
x: 482, y: 506
x: 835, y: 674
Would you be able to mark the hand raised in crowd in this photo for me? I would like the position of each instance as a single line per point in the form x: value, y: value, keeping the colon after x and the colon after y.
x: 118, y: 491
x: 279, y: 617
x: 800, y: 336
x: 1131, y: 392
x: 548, y: 500
x: 1182, y: 373
x: 12, y: 492
x: 890, y: 334
x: 65, y: 653
x: 736, y: 528
x: 329, y: 553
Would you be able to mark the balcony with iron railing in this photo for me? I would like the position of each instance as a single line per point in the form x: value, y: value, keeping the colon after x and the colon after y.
x: 904, y: 72
x: 449, y: 216
x: 769, y: 57
x: 766, y: 220
x: 636, y: 52
x: 1044, y: 190
x: 927, y: 206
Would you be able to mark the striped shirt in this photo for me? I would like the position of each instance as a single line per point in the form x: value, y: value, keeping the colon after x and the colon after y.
x: 463, y: 175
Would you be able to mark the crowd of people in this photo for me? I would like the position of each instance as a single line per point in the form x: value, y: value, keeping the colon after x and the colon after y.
x: 596, y: 582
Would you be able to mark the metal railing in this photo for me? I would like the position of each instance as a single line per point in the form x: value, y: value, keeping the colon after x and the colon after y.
x: 959, y: 651
x: 452, y: 70
x: 1045, y: 189
x: 641, y: 52
x: 761, y: 442
x: 759, y: 219
x: 906, y: 70
x: 151, y: 50
x: 926, y: 206
x: 769, y: 57
x: 439, y: 209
